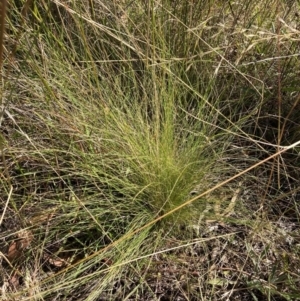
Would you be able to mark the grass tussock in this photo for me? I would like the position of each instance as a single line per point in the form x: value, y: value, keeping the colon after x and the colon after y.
x: 123, y: 127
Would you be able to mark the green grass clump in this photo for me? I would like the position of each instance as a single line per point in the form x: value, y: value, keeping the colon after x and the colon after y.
x: 117, y: 114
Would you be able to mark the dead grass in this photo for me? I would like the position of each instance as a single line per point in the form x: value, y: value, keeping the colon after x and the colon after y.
x: 124, y: 126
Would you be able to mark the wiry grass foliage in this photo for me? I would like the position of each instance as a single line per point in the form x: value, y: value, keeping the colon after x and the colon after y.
x: 114, y: 113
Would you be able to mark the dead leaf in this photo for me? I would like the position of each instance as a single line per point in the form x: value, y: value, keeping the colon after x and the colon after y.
x: 16, y: 247
x: 58, y: 262
x: 13, y: 252
x: 14, y: 280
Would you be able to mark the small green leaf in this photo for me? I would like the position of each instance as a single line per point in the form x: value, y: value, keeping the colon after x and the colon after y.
x: 220, y: 281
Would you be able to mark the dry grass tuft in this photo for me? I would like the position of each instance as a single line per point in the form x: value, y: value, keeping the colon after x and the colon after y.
x: 149, y: 150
